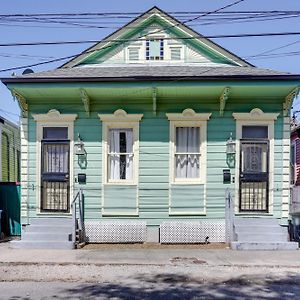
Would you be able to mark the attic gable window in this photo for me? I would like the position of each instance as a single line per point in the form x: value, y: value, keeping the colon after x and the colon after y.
x: 154, y: 49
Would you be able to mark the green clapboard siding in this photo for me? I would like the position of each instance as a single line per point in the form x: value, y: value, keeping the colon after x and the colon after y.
x: 120, y: 199
x: 154, y: 191
x: 10, y: 154
x: 5, y: 158
x: 187, y: 199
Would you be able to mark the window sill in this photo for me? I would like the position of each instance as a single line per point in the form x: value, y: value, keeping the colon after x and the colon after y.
x: 186, y: 182
x: 257, y: 213
x: 121, y: 183
x: 39, y: 213
x: 197, y: 213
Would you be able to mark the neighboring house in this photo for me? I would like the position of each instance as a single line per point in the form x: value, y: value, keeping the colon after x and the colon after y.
x: 9, y: 178
x: 295, y: 170
x: 155, y: 105
x: 10, y: 151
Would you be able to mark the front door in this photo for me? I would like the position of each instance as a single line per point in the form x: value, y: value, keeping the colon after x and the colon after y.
x: 254, y: 170
x: 55, y: 160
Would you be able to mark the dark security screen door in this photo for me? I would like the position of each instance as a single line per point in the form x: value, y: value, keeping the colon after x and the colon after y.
x: 254, y: 169
x: 55, y: 170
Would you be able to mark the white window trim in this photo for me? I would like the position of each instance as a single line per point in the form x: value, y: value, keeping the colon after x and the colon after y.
x: 120, y: 119
x: 53, y: 119
x: 188, y: 118
x: 256, y: 117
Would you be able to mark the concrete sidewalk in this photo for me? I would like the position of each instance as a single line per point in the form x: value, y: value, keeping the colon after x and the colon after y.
x: 165, y: 256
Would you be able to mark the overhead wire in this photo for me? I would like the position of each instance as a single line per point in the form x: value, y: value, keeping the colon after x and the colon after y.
x: 120, y: 42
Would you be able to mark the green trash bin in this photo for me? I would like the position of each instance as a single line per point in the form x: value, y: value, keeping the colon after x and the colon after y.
x: 0, y: 225
x: 10, y: 201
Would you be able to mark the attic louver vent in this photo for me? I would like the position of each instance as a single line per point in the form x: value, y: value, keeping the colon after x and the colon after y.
x: 175, y: 53
x: 133, y: 53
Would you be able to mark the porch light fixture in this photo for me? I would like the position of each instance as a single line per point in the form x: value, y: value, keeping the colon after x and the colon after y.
x: 230, y: 146
x: 79, y: 146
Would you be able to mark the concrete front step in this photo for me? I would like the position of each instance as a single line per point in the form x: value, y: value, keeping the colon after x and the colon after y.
x: 49, y: 228
x: 46, y: 233
x: 264, y: 246
x: 42, y: 236
x: 51, y: 221
x: 259, y: 229
x: 41, y: 245
x: 262, y: 237
x: 255, y: 222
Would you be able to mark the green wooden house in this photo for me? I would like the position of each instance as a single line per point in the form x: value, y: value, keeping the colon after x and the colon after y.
x: 155, y: 123
x: 10, y: 151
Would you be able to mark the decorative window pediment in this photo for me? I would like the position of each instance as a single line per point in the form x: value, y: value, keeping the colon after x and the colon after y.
x: 256, y: 114
x: 53, y: 115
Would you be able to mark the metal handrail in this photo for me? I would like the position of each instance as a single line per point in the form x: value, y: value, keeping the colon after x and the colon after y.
x: 229, y: 214
x: 78, y: 221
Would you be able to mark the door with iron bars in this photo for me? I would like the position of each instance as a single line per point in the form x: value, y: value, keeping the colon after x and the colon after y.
x: 254, y: 169
x: 55, y: 170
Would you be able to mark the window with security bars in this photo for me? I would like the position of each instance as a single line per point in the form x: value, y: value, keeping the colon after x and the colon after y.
x: 155, y: 49
x: 120, y: 154
x: 55, y: 160
x: 187, y: 152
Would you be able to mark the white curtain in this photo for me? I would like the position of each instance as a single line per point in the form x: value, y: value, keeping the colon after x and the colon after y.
x: 117, y: 159
x: 187, y: 143
x: 56, y: 158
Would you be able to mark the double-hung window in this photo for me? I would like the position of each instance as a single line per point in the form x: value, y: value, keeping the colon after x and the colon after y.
x: 187, y: 152
x: 188, y: 146
x: 120, y: 139
x: 120, y: 155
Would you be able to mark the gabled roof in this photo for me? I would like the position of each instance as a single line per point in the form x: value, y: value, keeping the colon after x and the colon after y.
x: 177, y: 28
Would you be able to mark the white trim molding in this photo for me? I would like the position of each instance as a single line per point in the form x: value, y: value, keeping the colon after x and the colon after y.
x: 256, y: 117
x: 120, y: 115
x: 120, y: 119
x: 53, y: 115
x: 53, y: 119
x: 188, y: 115
x: 255, y: 114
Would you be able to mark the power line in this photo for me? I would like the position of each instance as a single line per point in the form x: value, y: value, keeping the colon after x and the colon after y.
x: 130, y: 14
x: 266, y: 34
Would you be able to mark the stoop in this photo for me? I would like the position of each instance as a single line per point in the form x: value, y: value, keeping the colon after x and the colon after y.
x: 46, y: 233
x: 260, y: 234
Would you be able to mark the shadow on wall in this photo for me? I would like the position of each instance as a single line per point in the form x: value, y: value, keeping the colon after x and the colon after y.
x: 172, y: 286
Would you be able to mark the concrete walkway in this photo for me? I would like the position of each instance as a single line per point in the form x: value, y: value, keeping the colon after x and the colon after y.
x: 126, y: 256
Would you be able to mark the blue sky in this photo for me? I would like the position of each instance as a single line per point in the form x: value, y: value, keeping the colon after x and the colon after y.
x: 243, y: 47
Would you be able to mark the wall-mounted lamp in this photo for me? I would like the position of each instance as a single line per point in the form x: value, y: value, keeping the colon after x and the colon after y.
x: 79, y: 146
x: 230, y: 152
x: 230, y: 145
